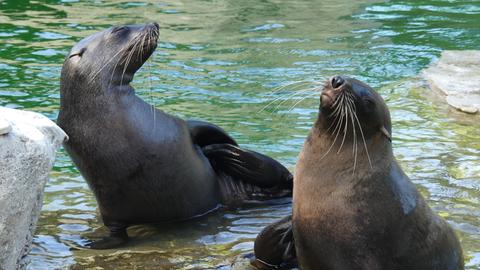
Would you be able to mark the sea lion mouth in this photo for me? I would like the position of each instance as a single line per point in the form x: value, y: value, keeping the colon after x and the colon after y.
x: 327, y: 98
x: 333, y: 94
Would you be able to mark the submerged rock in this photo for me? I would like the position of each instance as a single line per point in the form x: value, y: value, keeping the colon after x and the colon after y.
x: 457, y: 76
x: 28, y: 143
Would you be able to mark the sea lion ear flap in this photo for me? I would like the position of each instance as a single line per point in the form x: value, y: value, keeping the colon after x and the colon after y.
x: 78, y: 53
x: 386, y: 133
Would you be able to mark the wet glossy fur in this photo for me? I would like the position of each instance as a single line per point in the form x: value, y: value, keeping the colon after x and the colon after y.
x: 353, y: 207
x: 142, y: 164
x: 352, y: 213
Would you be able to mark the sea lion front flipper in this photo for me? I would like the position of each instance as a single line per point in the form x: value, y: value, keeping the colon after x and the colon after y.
x: 108, y: 242
x: 117, y: 238
x: 274, y: 246
x: 248, y: 166
x: 204, y: 133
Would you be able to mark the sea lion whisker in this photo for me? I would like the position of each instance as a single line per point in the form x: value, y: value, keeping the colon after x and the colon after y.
x: 301, y: 100
x: 130, y: 48
x: 286, y: 97
x: 149, y: 39
x: 120, y: 60
x: 289, y: 97
x: 338, y: 100
x: 338, y: 112
x: 273, y: 101
x: 355, y: 147
x: 296, y: 85
x: 152, y: 107
x: 95, y: 74
x: 113, y: 72
x: 129, y: 56
x: 335, y: 122
x: 125, y: 49
x: 364, y: 142
x: 337, y: 132
x: 361, y: 129
x: 344, y: 134
x: 337, y: 104
x: 141, y: 47
x: 295, y: 88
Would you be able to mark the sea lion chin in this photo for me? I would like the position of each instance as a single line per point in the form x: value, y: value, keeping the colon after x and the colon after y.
x: 142, y: 164
x: 353, y: 206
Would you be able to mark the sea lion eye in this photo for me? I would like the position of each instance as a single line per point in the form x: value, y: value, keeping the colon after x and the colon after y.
x: 79, y: 53
x: 369, y: 103
x: 118, y: 29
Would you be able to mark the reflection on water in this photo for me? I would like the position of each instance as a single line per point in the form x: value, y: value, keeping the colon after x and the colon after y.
x: 221, y: 61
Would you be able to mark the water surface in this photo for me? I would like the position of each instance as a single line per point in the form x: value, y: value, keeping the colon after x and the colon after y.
x: 221, y: 61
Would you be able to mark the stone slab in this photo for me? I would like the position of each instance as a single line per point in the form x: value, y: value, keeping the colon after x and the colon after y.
x: 456, y: 75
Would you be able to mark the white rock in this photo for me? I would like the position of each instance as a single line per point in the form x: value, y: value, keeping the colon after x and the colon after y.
x: 4, y: 126
x: 27, y: 153
x: 457, y: 76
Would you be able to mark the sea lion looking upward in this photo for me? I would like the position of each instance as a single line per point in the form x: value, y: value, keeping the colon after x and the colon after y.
x: 142, y: 164
x: 353, y: 206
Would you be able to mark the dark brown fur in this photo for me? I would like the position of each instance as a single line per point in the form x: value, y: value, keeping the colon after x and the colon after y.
x: 353, y: 208
x: 367, y: 216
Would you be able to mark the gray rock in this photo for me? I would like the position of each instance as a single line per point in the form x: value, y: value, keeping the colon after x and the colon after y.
x: 27, y: 153
x: 457, y: 76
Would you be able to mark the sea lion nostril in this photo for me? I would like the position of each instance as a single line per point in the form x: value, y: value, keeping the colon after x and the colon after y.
x: 337, y: 81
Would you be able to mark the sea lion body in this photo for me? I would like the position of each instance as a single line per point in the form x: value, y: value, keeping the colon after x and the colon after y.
x: 140, y: 173
x: 142, y: 164
x: 353, y: 206
x: 378, y: 221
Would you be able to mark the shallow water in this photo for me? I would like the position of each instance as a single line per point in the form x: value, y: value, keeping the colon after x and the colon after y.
x: 221, y: 61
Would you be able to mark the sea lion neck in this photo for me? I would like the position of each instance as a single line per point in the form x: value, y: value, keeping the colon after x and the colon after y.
x: 352, y: 162
x: 79, y: 92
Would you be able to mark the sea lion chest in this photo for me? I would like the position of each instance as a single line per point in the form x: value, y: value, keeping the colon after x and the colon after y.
x: 340, y: 215
x: 134, y: 156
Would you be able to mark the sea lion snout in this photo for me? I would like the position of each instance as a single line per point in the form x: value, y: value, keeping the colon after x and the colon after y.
x: 327, y: 98
x: 152, y: 27
x: 337, y: 81
x: 331, y: 91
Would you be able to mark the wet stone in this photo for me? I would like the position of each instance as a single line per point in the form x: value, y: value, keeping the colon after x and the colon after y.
x: 456, y: 75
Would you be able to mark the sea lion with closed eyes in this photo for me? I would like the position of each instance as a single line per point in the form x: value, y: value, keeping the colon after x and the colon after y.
x: 143, y: 164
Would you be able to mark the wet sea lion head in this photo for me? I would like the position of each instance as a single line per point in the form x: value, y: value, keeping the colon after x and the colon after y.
x: 347, y: 103
x: 110, y: 57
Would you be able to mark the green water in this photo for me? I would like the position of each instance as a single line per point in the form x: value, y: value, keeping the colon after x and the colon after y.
x: 221, y: 61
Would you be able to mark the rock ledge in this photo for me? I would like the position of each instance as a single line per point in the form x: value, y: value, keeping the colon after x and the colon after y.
x: 457, y: 76
x: 28, y: 142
